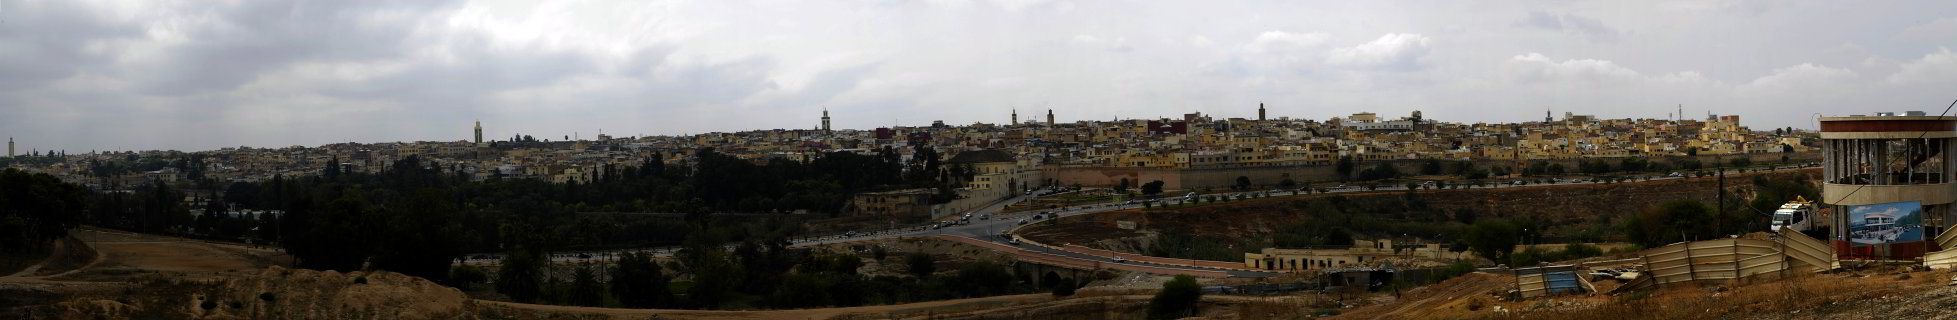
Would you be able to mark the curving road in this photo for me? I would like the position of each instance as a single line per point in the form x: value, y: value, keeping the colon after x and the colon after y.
x: 989, y: 230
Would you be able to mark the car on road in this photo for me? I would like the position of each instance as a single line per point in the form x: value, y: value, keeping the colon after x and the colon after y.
x: 1013, y: 241
x: 1118, y: 260
x: 1022, y: 221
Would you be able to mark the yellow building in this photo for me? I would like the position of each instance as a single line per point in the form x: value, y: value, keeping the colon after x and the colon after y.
x: 1361, y: 253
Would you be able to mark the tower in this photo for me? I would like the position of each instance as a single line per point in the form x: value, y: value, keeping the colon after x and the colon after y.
x: 1049, y: 117
x: 478, y: 131
x: 1545, y: 116
x: 825, y: 119
x: 10, y: 147
x: 1260, y: 111
x: 1015, y: 117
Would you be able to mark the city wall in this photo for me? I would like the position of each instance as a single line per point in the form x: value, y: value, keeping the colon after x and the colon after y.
x: 1195, y: 178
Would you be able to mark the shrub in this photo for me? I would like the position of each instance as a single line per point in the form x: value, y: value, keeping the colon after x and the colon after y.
x: 465, y: 276
x: 1177, y: 299
x: 921, y: 264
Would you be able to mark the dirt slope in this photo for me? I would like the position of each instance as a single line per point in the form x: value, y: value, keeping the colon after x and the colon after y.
x: 1567, y: 207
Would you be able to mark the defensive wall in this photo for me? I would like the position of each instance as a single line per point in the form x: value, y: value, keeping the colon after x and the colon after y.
x: 1194, y: 178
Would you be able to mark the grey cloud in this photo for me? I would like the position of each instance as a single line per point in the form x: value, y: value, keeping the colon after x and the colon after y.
x: 255, y: 37
x: 46, y: 41
x: 1588, y: 28
x: 84, y: 75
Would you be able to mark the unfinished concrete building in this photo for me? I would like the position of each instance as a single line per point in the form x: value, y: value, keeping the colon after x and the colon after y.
x: 1889, y: 158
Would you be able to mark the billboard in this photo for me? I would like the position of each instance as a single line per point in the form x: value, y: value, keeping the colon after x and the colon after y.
x: 1885, y: 223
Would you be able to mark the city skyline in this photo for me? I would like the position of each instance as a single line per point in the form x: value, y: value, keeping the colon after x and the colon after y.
x: 478, y: 135
x: 140, y: 76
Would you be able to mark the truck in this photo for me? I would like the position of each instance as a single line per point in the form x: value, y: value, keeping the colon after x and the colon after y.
x: 1797, y: 215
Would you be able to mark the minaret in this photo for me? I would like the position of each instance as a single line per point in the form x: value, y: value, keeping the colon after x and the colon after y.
x: 1015, y: 117
x: 1049, y: 117
x: 10, y: 147
x: 1545, y: 116
x: 1260, y: 111
x: 478, y: 131
x: 825, y: 119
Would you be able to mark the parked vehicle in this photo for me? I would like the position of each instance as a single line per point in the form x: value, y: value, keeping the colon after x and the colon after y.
x: 1797, y: 215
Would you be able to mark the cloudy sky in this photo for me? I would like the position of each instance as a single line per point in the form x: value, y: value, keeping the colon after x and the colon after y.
x: 120, y: 75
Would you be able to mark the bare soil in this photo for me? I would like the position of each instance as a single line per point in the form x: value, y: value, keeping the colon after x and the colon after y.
x: 124, y: 255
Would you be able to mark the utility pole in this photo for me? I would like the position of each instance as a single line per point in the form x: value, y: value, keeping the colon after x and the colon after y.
x: 1721, y: 206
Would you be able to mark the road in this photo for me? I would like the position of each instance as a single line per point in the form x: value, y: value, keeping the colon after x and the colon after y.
x: 989, y: 230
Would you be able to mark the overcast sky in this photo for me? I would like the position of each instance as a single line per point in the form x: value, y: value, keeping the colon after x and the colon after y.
x: 86, y: 75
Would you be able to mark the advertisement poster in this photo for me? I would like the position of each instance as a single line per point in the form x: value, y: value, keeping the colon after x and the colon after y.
x: 1886, y: 223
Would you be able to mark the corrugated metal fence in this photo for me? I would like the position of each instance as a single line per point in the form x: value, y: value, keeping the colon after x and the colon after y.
x: 1549, y: 280
x: 1943, y: 259
x: 1732, y: 259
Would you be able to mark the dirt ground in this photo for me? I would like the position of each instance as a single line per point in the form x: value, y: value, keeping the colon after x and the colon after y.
x: 1873, y: 293
x: 1461, y: 297
x: 122, y: 255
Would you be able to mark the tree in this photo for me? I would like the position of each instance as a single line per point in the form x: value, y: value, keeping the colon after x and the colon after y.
x: 1345, y: 167
x: 467, y: 276
x: 521, y: 276
x: 1243, y: 183
x: 1430, y: 167
x: 341, y: 236
x: 1669, y: 221
x: 1493, y: 239
x: 422, y: 236
x: 1379, y: 171
x: 802, y: 290
x: 1177, y: 299
x: 1465, y: 216
x: 332, y: 168
x: 36, y: 209
x: 921, y: 265
x: 1152, y: 188
x: 982, y: 278
x: 638, y: 282
x: 1123, y: 187
x: 585, y: 290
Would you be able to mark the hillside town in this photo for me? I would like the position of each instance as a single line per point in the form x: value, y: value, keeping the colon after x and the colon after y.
x: 1193, y: 141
